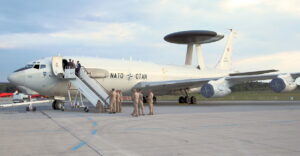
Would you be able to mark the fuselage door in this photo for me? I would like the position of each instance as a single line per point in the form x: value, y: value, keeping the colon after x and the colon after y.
x: 57, y: 66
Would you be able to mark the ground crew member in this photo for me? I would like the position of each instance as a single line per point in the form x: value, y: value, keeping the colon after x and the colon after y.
x: 135, y: 100
x: 150, y: 102
x: 113, y: 101
x: 141, y: 103
x: 119, y: 101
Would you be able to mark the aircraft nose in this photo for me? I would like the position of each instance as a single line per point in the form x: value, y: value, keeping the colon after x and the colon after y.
x: 16, y: 78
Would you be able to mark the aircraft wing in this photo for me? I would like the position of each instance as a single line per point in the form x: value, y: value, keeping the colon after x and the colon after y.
x: 176, y: 85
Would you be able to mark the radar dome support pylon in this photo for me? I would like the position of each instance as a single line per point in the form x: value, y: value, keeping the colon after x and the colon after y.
x: 191, y: 38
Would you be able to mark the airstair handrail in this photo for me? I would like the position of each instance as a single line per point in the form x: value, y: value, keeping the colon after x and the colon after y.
x: 85, y: 70
x: 102, y: 98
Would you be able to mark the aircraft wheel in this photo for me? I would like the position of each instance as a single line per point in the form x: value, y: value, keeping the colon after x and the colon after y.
x: 154, y: 99
x: 33, y: 108
x: 54, y: 104
x: 181, y: 99
x: 145, y: 99
x: 187, y: 99
x: 86, y: 109
x: 62, y: 108
x: 59, y: 105
x: 27, y: 109
x: 193, y: 100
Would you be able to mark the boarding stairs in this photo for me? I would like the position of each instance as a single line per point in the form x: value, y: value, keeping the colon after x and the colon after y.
x: 89, y: 87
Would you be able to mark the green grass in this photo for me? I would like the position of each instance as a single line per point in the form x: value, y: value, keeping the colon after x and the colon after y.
x: 264, y: 95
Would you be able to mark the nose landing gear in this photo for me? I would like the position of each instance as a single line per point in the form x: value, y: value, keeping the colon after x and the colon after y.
x: 58, y: 105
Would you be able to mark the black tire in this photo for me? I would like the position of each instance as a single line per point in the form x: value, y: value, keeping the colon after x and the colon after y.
x: 193, y: 100
x: 145, y: 99
x: 59, y: 104
x: 27, y: 109
x: 86, y: 109
x: 154, y: 99
x: 181, y: 99
x: 187, y: 99
x: 62, y: 108
x: 54, y: 105
x: 33, y: 109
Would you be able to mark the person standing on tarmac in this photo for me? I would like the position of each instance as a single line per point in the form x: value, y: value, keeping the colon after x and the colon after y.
x: 135, y: 100
x: 141, y: 103
x: 150, y: 102
x: 117, y: 101
x: 113, y: 101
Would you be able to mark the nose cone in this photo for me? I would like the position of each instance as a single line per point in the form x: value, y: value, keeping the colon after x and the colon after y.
x: 16, y: 78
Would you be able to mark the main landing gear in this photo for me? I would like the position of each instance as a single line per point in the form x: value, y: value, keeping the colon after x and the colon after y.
x: 58, y: 105
x: 187, y: 99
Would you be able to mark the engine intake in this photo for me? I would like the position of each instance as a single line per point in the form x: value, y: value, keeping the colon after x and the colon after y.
x: 217, y: 88
x: 283, y: 83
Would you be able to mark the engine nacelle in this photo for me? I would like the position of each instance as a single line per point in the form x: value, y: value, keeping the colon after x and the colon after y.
x: 283, y: 83
x: 216, y: 88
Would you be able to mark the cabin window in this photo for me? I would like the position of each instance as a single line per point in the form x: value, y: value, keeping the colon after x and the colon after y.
x: 37, y: 66
x: 43, y: 66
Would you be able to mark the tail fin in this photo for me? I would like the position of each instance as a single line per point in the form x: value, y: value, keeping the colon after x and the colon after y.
x: 225, y: 61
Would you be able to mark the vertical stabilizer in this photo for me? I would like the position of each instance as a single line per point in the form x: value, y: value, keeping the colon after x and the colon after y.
x: 225, y: 62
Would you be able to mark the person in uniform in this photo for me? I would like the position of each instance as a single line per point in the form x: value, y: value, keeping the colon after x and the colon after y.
x: 135, y: 100
x: 150, y: 102
x: 73, y: 64
x: 69, y: 64
x: 77, y: 70
x: 113, y: 101
x: 141, y: 103
x: 117, y: 101
x: 120, y: 100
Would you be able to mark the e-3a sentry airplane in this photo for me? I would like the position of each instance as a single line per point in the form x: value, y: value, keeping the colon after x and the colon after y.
x: 98, y: 76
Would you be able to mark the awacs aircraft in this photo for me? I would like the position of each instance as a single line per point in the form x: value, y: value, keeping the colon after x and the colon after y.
x: 98, y: 76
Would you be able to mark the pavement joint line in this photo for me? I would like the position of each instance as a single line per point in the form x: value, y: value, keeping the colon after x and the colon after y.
x: 82, y: 142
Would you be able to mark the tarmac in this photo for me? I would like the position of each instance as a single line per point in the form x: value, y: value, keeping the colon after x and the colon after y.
x: 207, y: 128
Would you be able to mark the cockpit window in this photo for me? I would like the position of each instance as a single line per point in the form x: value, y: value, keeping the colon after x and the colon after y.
x: 28, y: 66
x: 43, y: 66
x: 37, y: 66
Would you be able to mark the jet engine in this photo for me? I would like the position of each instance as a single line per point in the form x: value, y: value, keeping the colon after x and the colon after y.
x: 283, y: 83
x: 215, y: 88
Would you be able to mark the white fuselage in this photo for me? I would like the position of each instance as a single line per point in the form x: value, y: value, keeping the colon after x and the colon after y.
x: 122, y: 74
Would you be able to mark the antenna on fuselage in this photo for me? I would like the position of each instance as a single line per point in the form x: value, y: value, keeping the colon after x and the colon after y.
x: 194, y: 38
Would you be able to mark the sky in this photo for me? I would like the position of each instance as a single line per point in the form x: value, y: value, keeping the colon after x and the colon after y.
x: 268, y: 31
